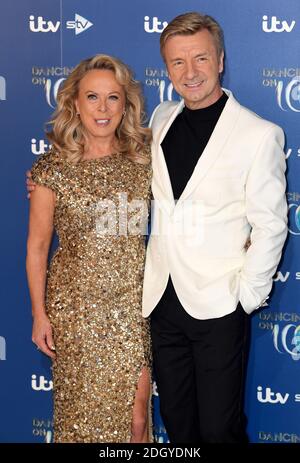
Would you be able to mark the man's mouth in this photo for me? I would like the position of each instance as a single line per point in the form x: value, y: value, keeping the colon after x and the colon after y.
x: 194, y: 85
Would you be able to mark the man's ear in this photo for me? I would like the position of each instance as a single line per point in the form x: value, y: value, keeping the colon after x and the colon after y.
x: 221, y: 62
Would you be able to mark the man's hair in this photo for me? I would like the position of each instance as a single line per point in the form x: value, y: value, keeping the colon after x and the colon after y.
x: 189, y: 24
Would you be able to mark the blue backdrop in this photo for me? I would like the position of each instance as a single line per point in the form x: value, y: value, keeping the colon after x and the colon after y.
x: 40, y: 42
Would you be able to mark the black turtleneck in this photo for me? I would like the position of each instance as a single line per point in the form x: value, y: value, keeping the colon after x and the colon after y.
x: 186, y: 139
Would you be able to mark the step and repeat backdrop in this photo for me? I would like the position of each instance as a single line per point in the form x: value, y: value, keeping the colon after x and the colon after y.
x: 40, y: 42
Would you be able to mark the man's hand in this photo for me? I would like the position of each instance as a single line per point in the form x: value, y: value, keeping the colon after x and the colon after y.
x: 30, y: 184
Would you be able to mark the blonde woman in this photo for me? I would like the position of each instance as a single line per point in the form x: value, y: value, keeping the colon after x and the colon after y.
x: 93, y: 189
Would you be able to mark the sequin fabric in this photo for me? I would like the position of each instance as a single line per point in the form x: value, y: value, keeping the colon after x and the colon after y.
x: 94, y: 291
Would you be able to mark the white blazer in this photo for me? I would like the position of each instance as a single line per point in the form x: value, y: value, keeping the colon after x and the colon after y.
x: 237, y: 191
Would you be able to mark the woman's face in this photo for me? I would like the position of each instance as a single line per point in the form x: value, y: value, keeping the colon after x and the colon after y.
x: 100, y: 103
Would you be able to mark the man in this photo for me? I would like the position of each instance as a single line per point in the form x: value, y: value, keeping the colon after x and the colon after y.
x: 218, y: 181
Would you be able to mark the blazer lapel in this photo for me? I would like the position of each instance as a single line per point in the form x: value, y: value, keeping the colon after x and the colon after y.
x: 161, y: 186
x: 213, y: 149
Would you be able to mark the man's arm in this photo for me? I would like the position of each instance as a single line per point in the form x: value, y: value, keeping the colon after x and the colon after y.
x: 266, y: 210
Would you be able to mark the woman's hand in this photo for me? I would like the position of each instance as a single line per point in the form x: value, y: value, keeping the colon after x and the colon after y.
x: 42, y: 335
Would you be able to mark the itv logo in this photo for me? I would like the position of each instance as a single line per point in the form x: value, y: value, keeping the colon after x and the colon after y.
x: 156, y: 26
x: 275, y: 25
x: 39, y: 146
x: 271, y: 397
x: 39, y: 24
x: 2, y: 88
x: 41, y: 383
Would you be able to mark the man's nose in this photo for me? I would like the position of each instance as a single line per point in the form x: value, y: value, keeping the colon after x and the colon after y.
x: 190, y: 70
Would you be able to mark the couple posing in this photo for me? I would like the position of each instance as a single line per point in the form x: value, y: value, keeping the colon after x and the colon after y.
x: 216, y: 172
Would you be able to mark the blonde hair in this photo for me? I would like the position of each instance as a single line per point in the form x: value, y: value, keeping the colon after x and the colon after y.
x: 189, y: 24
x: 67, y: 135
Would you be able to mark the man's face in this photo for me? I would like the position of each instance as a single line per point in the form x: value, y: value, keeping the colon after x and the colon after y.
x: 194, y: 65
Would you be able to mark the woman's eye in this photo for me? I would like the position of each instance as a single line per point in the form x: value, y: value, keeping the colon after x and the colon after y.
x: 91, y: 96
x: 113, y: 97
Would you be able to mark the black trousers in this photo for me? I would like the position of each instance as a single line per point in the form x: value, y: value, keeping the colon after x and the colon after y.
x: 200, y: 368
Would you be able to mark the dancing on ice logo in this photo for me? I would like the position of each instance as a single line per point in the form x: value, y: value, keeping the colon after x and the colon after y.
x: 294, y: 212
x: 284, y: 339
x: 2, y: 88
x: 2, y: 348
x: 289, y: 95
x: 286, y: 83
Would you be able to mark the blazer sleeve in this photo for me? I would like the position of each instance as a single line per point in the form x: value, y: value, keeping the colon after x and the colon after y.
x: 266, y: 210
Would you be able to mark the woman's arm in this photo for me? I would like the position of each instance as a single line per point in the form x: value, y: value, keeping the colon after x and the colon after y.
x: 39, y: 238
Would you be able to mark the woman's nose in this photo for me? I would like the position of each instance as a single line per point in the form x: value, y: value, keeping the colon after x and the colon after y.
x: 102, y: 106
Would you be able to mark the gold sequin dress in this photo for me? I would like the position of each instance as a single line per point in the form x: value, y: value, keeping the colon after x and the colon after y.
x: 94, y: 291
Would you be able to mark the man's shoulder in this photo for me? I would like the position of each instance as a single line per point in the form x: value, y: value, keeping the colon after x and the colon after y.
x: 252, y: 120
x: 162, y: 112
x: 257, y: 127
x: 255, y: 118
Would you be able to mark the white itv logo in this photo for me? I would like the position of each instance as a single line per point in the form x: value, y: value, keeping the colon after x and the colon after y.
x: 39, y: 146
x: 157, y: 26
x: 271, y: 397
x: 41, y: 384
x: 39, y: 24
x: 42, y: 25
x: 275, y: 25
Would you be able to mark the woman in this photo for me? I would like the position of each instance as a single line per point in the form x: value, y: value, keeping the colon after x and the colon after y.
x: 88, y: 320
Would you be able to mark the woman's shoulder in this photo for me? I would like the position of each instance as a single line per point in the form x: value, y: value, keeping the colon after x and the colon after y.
x: 47, y: 168
x: 51, y: 158
x: 50, y: 161
x: 147, y: 152
x: 144, y: 156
